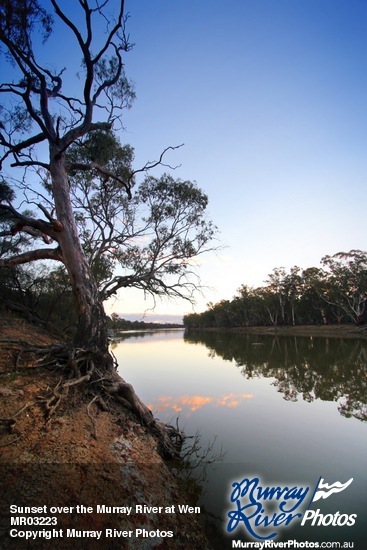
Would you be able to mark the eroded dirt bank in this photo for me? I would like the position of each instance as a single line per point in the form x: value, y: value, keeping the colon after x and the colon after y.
x: 80, y: 455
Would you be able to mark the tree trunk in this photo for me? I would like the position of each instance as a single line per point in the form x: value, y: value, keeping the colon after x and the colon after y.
x: 91, y: 329
x: 91, y: 335
x: 293, y: 314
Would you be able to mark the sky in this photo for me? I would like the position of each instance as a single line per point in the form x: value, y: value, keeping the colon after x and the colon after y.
x: 269, y: 99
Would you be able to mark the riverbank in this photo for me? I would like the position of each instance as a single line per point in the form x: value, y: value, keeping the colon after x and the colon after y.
x: 327, y: 331
x: 82, y: 455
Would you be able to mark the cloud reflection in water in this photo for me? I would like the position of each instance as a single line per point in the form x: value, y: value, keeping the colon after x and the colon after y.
x: 195, y: 402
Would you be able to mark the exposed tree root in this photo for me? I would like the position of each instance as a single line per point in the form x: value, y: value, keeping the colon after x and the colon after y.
x: 95, y: 375
x: 54, y: 401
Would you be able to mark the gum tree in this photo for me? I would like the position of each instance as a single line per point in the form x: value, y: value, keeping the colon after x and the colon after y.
x: 347, y: 283
x: 152, y: 237
x: 43, y: 119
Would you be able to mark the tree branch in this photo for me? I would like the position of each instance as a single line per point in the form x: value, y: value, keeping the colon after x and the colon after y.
x: 150, y: 284
x: 114, y: 31
x: 149, y: 165
x: 31, y: 256
x: 23, y: 223
x: 101, y: 170
x: 14, y: 148
x: 30, y: 163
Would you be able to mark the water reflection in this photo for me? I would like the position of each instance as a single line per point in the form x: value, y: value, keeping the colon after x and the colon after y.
x: 224, y: 386
x: 161, y: 334
x: 195, y: 402
x: 306, y: 368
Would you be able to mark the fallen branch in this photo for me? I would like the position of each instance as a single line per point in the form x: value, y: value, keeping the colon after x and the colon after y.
x: 10, y: 422
x: 10, y: 442
x: 11, y: 419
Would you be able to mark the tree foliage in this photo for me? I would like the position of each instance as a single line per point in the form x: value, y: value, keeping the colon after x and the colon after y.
x: 87, y: 191
x: 149, y: 239
x: 313, y: 296
x: 78, y: 179
x: 348, y: 283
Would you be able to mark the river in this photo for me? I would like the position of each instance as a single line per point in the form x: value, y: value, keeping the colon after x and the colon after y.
x: 285, y: 411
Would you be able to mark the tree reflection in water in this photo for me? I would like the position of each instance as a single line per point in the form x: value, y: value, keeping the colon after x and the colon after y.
x: 330, y: 369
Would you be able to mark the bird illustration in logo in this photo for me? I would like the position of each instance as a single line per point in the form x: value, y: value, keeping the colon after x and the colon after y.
x: 324, y: 490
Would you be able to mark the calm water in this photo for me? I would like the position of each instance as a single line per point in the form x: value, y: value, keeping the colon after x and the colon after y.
x: 287, y: 410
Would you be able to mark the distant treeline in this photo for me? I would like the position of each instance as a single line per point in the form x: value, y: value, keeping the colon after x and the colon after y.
x: 333, y: 294
x: 117, y: 323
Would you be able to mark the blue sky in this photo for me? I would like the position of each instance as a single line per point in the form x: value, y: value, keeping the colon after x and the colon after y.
x: 269, y: 98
